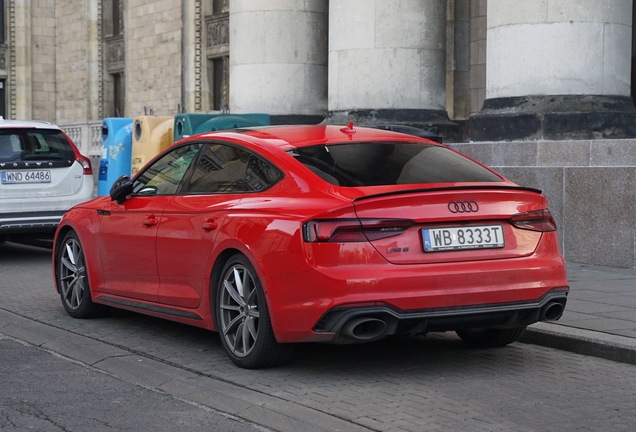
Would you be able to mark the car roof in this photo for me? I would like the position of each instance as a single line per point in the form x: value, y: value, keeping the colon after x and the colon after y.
x: 33, y: 124
x: 294, y: 136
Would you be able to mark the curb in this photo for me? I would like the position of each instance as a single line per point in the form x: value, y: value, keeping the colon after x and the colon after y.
x: 591, y: 343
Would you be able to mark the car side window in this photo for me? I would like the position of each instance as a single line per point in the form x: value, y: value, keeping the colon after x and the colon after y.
x: 165, y: 174
x: 220, y: 168
x: 223, y: 168
x: 261, y: 174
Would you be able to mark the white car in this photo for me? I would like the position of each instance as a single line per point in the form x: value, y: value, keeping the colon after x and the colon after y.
x: 42, y: 175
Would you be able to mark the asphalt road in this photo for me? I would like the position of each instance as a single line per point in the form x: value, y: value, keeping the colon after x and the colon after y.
x: 432, y: 383
x: 42, y: 391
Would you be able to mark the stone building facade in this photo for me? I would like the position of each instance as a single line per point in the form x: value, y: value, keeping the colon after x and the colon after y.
x: 541, y: 90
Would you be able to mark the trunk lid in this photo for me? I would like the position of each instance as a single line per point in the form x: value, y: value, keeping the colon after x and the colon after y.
x: 42, y: 179
x: 453, y: 224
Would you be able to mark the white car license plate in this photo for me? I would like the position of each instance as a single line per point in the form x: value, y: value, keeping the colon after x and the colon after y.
x: 18, y: 177
x: 457, y: 238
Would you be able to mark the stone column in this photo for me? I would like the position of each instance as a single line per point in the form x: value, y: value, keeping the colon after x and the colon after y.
x: 557, y: 70
x: 387, y: 62
x: 23, y: 67
x: 458, y: 29
x: 189, y: 58
x: 93, y: 62
x: 278, y: 59
x: 43, y: 77
x: 478, y: 43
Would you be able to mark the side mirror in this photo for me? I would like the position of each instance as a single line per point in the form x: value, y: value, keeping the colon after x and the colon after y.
x: 121, y: 189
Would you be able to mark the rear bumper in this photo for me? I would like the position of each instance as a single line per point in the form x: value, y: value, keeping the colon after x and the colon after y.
x: 29, y: 222
x: 351, y: 324
x: 316, y: 305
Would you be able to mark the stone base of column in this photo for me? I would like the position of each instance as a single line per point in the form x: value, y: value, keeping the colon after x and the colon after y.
x: 432, y: 120
x: 557, y: 117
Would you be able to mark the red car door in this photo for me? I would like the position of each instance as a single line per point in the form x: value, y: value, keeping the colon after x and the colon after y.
x: 184, y: 243
x: 192, y: 220
x: 127, y: 242
x: 128, y: 235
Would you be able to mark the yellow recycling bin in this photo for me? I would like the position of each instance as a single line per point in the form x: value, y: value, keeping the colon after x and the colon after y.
x: 151, y: 134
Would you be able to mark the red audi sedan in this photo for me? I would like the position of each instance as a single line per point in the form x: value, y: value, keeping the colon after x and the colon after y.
x: 277, y: 235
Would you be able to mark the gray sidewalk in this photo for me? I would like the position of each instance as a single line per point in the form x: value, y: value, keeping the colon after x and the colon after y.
x: 600, y: 316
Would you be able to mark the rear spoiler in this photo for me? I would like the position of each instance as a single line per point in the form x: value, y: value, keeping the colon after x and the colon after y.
x: 447, y: 188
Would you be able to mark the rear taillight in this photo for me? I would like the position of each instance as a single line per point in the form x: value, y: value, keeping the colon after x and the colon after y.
x: 85, y: 162
x: 539, y: 220
x: 353, y: 230
x: 80, y: 158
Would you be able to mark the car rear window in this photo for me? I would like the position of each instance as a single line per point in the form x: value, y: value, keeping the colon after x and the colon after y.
x: 22, y: 145
x: 390, y: 163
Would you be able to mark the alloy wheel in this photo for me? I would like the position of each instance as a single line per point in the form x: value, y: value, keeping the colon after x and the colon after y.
x: 239, y: 314
x: 72, y: 274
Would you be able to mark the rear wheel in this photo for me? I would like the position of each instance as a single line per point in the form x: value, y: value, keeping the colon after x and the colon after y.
x: 72, y: 279
x: 490, y: 337
x: 243, y: 318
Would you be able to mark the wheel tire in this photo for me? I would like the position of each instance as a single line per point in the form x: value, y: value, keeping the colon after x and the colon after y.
x: 490, y: 337
x: 72, y: 279
x: 243, y: 318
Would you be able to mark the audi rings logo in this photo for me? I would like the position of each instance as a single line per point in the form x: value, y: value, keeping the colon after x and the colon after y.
x: 463, y: 207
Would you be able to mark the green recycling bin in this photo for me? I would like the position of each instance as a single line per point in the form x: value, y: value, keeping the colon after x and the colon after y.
x: 192, y: 124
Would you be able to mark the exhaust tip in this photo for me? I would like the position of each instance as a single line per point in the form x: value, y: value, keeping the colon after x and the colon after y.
x: 552, y: 311
x: 365, y: 328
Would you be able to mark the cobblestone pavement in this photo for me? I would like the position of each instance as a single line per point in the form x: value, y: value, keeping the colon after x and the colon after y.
x: 433, y: 383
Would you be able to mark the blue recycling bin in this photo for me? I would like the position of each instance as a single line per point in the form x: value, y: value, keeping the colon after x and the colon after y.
x: 116, y: 152
x: 191, y: 124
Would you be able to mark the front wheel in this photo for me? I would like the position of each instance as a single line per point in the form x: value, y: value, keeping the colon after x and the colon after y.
x: 490, y: 337
x: 243, y: 318
x: 72, y: 279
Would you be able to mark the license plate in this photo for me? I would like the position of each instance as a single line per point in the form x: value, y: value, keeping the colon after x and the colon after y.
x: 18, y: 177
x: 458, y: 238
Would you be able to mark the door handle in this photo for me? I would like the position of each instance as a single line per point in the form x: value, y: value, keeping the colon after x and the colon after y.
x: 209, y: 225
x: 150, y: 221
